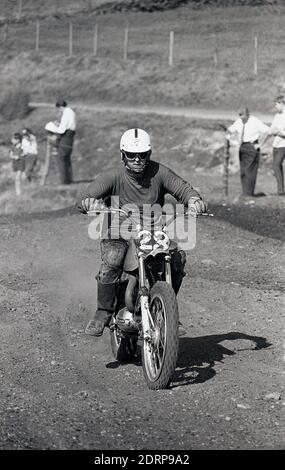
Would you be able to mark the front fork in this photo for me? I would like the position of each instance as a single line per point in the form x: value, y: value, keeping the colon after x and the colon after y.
x: 147, y: 321
x: 168, y: 277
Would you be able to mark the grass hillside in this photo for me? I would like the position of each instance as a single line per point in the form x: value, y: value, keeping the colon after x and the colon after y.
x: 24, y: 9
x: 212, y: 67
x: 213, y: 58
x: 11, y: 9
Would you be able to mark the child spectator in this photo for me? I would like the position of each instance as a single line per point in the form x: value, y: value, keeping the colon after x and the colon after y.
x: 18, y: 162
x: 30, y: 151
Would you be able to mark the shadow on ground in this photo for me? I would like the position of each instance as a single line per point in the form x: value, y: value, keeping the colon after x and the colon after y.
x: 264, y: 221
x: 197, y: 356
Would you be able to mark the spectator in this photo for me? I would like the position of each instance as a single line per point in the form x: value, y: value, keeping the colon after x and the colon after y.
x: 30, y: 151
x: 18, y: 161
x: 249, y: 130
x: 277, y: 129
x: 66, y: 131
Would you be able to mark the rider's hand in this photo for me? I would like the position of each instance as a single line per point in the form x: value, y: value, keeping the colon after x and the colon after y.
x: 92, y: 204
x: 197, y: 206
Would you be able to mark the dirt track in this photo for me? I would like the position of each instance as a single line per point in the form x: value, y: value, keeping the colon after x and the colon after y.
x: 189, y: 112
x: 62, y: 389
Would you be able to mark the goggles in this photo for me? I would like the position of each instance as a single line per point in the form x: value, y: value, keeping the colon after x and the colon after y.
x: 131, y: 156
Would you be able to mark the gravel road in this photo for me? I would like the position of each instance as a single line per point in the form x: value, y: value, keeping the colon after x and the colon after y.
x: 61, y: 389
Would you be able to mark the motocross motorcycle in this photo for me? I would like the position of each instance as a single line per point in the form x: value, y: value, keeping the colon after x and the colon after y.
x: 146, y: 312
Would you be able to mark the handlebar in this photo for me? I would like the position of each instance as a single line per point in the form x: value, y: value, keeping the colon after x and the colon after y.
x: 204, y: 214
x: 112, y: 211
x: 129, y: 213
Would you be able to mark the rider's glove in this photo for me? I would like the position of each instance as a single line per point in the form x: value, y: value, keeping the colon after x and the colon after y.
x: 92, y: 204
x: 197, y: 206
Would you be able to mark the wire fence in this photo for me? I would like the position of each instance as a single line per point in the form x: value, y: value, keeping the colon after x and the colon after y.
x: 217, y: 39
x: 239, y: 51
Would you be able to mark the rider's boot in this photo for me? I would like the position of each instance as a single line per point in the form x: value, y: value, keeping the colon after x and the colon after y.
x: 178, y: 260
x: 106, y: 300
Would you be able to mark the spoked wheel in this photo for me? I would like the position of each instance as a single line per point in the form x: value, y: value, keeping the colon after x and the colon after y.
x: 160, y: 353
x: 123, y: 347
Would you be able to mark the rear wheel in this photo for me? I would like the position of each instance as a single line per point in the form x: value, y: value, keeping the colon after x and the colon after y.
x: 159, y: 355
x: 123, y: 347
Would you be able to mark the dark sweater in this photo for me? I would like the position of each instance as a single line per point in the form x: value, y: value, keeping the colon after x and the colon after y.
x: 149, y: 188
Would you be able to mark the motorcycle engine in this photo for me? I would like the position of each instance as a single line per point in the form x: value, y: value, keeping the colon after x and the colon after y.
x: 125, y: 321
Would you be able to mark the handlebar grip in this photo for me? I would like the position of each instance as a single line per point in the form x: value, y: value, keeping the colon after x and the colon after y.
x: 202, y: 214
x: 96, y: 212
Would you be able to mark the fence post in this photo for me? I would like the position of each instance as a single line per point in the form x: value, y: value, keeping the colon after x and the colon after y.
x: 126, y: 40
x: 171, y: 47
x: 215, y: 51
x: 20, y: 9
x: 70, y: 39
x: 46, y: 163
x: 255, y: 55
x: 95, y: 43
x: 37, y: 35
x: 5, y: 34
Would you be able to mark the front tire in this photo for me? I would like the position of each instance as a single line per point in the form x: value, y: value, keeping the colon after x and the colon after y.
x: 159, y: 355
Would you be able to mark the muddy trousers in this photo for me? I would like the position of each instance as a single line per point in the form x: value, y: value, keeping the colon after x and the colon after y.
x: 249, y: 160
x: 278, y: 158
x: 113, y: 253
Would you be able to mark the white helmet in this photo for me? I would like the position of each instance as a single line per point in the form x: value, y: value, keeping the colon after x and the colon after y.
x: 135, y: 141
x: 135, y: 144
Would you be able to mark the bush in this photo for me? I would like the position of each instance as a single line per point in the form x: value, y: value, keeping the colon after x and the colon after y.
x: 156, y: 5
x: 15, y: 105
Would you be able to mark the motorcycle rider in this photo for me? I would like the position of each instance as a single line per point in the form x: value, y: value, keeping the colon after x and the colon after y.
x: 140, y: 181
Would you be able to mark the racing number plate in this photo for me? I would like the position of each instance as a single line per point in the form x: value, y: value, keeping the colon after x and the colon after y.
x: 148, y: 241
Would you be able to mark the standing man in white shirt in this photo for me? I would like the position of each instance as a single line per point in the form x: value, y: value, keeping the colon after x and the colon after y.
x: 278, y: 130
x: 249, y: 131
x: 66, y: 131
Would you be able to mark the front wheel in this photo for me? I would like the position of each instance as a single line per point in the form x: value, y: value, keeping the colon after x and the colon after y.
x: 159, y: 355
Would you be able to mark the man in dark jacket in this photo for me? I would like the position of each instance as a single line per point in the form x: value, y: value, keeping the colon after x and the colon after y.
x: 140, y: 181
